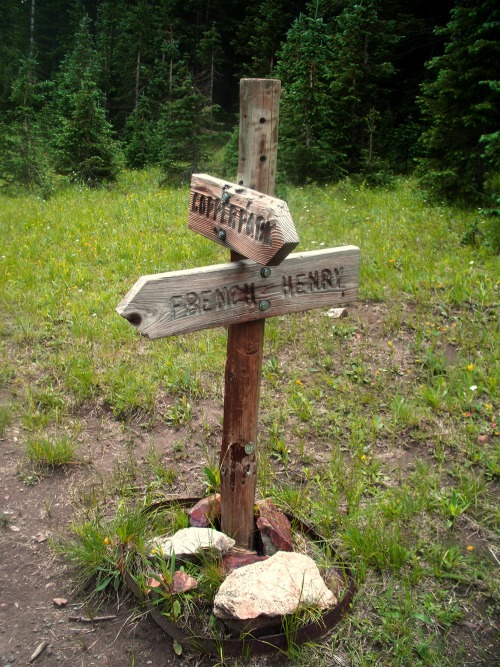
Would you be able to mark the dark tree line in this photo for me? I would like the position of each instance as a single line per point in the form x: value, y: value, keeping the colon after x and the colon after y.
x: 370, y: 87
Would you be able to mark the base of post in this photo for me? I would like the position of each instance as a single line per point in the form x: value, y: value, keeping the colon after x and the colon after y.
x: 276, y: 643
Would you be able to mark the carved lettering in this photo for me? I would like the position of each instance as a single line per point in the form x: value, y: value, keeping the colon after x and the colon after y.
x: 194, y: 205
x: 287, y: 286
x: 235, y: 217
x: 300, y: 283
x: 207, y: 299
x: 176, y: 302
x: 221, y: 298
x: 192, y: 303
x: 338, y: 274
x: 249, y: 227
x: 314, y: 281
x: 242, y: 220
x: 326, y: 279
x: 217, y: 208
x: 201, y: 205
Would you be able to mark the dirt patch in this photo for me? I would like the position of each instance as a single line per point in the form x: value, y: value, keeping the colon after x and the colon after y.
x: 38, y: 510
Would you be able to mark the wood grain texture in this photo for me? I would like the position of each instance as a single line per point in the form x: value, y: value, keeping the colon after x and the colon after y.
x: 178, y: 302
x: 258, y: 139
x: 258, y: 145
x: 248, y: 222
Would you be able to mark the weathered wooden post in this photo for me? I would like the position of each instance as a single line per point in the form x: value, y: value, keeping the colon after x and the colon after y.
x: 262, y: 280
x: 258, y: 146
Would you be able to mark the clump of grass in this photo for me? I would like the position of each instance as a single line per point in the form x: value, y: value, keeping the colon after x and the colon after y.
x: 377, y: 542
x: 51, y: 451
x: 99, y: 549
x: 5, y: 417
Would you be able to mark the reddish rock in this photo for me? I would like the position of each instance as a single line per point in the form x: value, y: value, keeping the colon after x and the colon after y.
x: 204, y: 513
x: 274, y: 528
x: 233, y: 561
x: 153, y: 582
x: 182, y: 582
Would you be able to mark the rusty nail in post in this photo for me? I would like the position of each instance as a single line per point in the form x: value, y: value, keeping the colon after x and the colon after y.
x: 264, y: 305
x: 265, y: 272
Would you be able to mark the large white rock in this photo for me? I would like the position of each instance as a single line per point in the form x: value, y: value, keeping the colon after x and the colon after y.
x: 261, y: 594
x: 188, y: 541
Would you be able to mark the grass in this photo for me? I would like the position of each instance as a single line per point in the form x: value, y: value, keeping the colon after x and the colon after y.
x: 52, y: 451
x: 381, y: 428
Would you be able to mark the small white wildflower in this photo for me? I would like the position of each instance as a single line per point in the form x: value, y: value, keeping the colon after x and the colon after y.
x: 473, y: 387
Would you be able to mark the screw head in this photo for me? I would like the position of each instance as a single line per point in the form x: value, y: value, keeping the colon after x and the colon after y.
x: 264, y: 305
x: 265, y: 272
x: 249, y: 448
x: 221, y: 235
x: 225, y: 197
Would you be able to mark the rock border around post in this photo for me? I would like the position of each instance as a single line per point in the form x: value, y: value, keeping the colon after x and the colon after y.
x: 249, y: 646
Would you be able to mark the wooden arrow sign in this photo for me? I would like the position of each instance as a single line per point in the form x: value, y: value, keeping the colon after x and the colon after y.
x: 178, y: 302
x: 252, y: 224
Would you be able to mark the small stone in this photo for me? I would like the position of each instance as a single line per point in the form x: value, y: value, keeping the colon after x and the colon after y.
x: 15, y: 529
x: 274, y: 528
x: 182, y: 582
x: 59, y: 602
x: 188, y: 541
x: 335, y: 313
x: 203, y: 514
x: 258, y: 596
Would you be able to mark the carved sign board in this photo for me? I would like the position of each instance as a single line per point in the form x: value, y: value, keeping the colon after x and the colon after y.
x: 252, y: 224
x: 178, y: 302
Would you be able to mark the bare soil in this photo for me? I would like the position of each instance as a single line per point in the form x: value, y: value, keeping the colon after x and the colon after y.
x: 32, y: 576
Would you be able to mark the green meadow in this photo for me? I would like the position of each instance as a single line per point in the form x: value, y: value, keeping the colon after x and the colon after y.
x: 381, y: 428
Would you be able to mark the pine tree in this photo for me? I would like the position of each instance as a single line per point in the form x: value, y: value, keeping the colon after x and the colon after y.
x: 362, y: 51
x: 460, y: 106
x: 23, y: 141
x: 85, y: 149
x: 210, y: 56
x: 184, y: 126
x: 307, y: 148
x: 140, y: 136
x: 261, y: 34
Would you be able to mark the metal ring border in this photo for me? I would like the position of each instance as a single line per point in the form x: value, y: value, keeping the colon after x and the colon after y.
x: 249, y: 645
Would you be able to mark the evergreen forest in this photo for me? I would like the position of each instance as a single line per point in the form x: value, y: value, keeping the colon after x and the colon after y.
x: 371, y: 89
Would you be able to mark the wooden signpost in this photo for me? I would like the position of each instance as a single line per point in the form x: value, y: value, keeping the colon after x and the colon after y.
x: 262, y: 280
